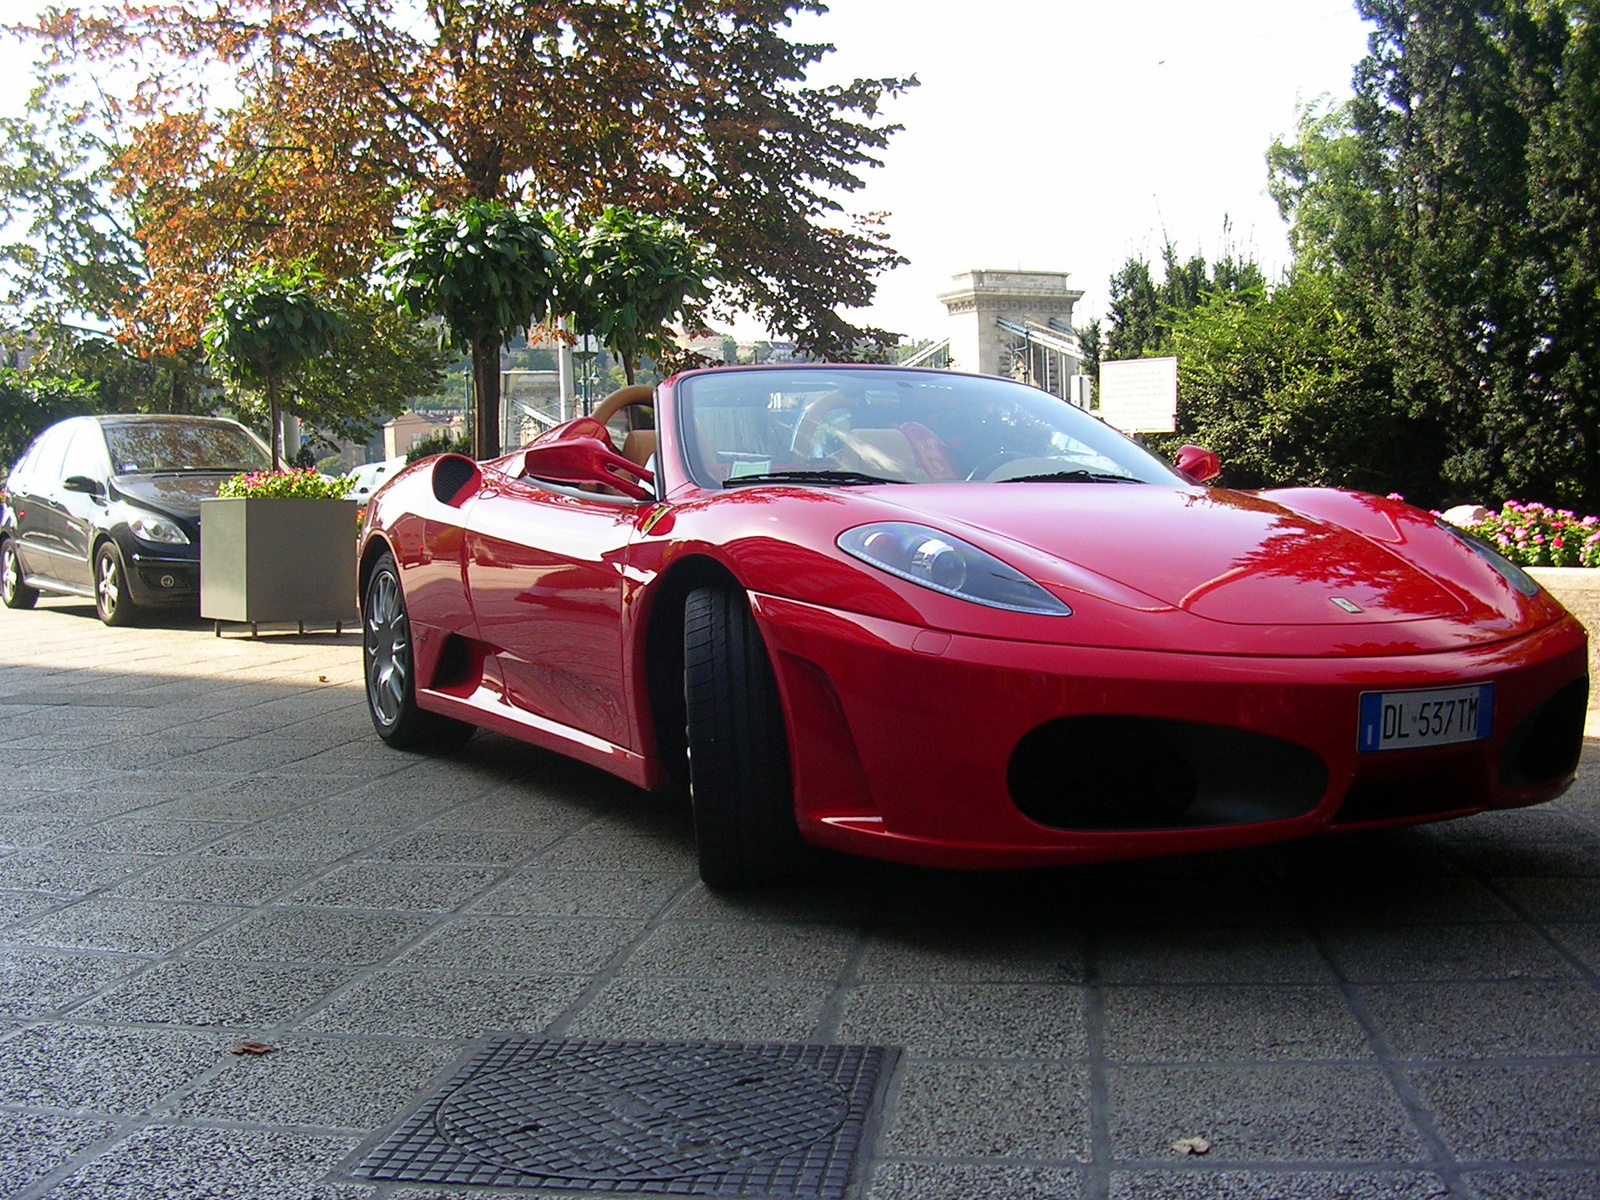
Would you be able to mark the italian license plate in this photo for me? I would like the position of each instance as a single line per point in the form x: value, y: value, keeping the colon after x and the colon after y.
x: 1435, y: 717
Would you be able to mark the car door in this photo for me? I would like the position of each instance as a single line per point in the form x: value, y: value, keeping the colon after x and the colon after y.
x: 81, y: 514
x: 38, y: 519
x: 545, y: 575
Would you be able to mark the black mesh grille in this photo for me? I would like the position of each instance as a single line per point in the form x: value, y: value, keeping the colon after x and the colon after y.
x: 450, y: 474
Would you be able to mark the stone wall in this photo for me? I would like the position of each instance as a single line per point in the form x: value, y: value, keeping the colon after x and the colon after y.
x: 1578, y: 589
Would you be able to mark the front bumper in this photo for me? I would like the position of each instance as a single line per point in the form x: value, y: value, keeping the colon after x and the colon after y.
x: 901, y: 737
x: 157, y: 577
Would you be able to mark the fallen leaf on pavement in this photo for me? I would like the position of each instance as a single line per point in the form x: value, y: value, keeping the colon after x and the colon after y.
x: 253, y: 1048
x: 1191, y: 1145
x: 322, y: 679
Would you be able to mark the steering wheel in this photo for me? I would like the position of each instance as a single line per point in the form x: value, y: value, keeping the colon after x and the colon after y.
x: 805, y: 430
x: 620, y: 399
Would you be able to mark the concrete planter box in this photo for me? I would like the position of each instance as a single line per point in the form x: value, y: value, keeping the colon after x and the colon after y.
x: 267, y: 560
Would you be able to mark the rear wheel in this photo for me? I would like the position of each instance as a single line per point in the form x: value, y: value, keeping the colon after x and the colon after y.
x: 390, y: 673
x: 744, y: 825
x: 13, y: 592
x: 112, y: 603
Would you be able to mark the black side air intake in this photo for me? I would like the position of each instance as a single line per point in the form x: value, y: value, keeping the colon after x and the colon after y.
x: 452, y: 474
x: 1547, y: 744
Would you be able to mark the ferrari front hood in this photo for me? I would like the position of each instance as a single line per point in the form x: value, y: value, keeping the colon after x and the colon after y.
x: 1225, y: 556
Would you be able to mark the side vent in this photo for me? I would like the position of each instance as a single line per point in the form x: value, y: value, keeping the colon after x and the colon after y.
x: 1548, y: 743
x: 455, y: 478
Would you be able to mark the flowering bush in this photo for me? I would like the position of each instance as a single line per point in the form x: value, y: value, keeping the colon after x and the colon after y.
x: 285, y: 485
x: 1534, y: 535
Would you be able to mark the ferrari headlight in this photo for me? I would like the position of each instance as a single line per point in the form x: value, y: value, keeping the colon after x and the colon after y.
x: 158, y: 529
x: 1508, y: 570
x: 947, y: 564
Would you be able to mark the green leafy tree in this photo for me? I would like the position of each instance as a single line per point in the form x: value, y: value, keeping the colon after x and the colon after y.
x: 1291, y: 387
x: 267, y: 326
x: 1144, y: 311
x: 440, y: 443
x: 30, y: 403
x: 1456, y: 196
x: 303, y: 127
x: 76, y: 265
x: 490, y: 270
x: 627, y: 277
x: 383, y: 360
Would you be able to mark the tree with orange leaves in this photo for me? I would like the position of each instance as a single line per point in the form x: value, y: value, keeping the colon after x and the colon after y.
x: 301, y: 129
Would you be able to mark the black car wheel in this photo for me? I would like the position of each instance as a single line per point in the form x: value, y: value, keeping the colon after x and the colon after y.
x: 13, y: 592
x: 389, y: 670
x: 112, y: 602
x: 743, y: 798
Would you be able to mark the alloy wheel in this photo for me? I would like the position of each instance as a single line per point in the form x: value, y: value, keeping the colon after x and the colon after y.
x: 10, y: 574
x: 388, y: 647
x: 108, y: 585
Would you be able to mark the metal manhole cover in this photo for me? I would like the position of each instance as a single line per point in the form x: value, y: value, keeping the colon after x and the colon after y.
x: 641, y: 1117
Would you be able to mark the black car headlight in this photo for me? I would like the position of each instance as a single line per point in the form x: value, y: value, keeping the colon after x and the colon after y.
x: 151, y: 528
x: 1507, y: 570
x: 947, y: 564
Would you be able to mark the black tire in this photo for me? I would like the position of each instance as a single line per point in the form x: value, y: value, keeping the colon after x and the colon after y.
x: 112, y: 603
x: 739, y: 782
x: 388, y: 668
x: 13, y: 592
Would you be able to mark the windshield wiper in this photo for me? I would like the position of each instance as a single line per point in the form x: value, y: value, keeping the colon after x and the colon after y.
x: 1070, y: 477
x: 844, y: 477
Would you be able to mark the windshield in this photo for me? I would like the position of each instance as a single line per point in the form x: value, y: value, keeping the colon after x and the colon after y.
x: 850, y: 425
x: 144, y: 446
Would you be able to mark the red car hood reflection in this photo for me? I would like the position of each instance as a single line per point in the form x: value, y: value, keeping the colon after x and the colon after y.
x: 1222, y: 555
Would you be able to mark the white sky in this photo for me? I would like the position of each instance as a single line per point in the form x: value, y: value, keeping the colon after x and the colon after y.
x: 1056, y: 134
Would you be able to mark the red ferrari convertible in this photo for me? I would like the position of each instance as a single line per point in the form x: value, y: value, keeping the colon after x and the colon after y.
x: 952, y: 620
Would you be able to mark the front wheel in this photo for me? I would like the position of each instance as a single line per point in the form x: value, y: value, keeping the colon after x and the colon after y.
x: 13, y: 592
x: 739, y: 783
x: 112, y: 603
x: 390, y: 673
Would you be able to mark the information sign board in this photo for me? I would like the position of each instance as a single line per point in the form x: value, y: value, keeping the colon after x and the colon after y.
x: 1140, y: 395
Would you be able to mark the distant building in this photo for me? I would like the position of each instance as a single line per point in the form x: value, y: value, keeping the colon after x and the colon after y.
x: 1017, y: 324
x: 402, y: 434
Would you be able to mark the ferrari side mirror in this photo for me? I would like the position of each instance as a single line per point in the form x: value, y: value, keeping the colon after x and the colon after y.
x: 1198, y: 464
x: 585, y: 459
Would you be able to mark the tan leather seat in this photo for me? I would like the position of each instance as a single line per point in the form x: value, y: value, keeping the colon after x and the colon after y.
x: 885, y: 452
x: 639, y: 446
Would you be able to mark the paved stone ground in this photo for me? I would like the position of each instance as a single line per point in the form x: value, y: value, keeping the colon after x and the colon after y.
x: 205, y: 842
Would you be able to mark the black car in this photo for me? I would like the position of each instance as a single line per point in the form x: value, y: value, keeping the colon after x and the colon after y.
x: 108, y: 508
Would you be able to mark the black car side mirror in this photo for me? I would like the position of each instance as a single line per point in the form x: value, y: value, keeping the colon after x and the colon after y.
x: 82, y: 483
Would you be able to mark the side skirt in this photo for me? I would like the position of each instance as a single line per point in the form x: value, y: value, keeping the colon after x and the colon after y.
x: 43, y: 584
x: 488, y: 708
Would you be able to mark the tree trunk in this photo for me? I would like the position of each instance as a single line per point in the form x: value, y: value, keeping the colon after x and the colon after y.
x: 276, y: 422
x: 627, y: 368
x: 486, y: 398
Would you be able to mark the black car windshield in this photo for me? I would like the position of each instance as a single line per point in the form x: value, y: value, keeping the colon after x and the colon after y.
x: 816, y: 424
x: 139, y: 447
